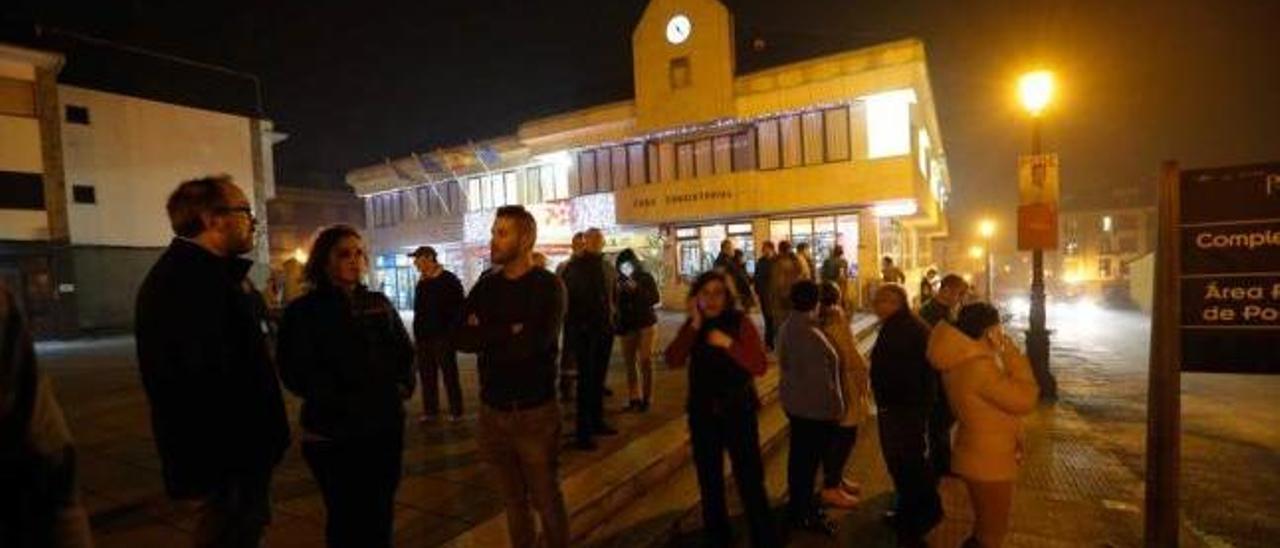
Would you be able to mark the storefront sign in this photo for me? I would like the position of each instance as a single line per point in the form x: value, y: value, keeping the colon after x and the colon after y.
x: 1229, y: 269
x: 677, y: 198
x: 1037, y: 227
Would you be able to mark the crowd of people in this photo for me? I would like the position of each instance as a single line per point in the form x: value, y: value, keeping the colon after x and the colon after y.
x: 948, y: 385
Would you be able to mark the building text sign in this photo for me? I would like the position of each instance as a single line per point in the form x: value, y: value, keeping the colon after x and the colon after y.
x: 1229, y: 234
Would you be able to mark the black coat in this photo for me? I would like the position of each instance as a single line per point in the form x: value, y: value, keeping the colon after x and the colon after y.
x: 350, y: 359
x: 900, y: 372
x: 216, y: 407
x: 635, y: 304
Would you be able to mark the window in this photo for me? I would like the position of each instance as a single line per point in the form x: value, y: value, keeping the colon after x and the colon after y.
x: 619, y: 167
x: 723, y: 154
x: 77, y: 114
x: 1104, y: 244
x: 684, y: 161
x: 513, y: 187
x: 17, y: 97
x: 473, y: 194
x: 655, y: 174
x: 533, y: 185
x: 84, y: 194
x: 586, y: 173
x: 1106, y: 223
x: 922, y: 152
x: 679, y: 73
x: 889, y: 123
x: 744, y: 151
x: 604, y: 178
x: 636, y: 164
x: 792, y: 145
x: 767, y: 133
x: 667, y: 162
x: 836, y: 125
x: 1104, y: 268
x: 814, y: 136
x: 702, y: 158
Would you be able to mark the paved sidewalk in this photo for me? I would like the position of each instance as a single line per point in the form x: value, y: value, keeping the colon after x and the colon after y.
x: 445, y: 489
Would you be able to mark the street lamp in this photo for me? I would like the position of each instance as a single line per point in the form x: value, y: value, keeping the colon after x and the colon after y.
x: 987, y: 229
x: 1035, y: 91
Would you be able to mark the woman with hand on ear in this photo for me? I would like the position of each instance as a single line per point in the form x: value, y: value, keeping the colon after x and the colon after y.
x: 990, y: 387
x: 723, y: 352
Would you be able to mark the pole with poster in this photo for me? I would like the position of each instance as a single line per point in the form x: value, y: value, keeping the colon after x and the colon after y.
x: 1217, y: 305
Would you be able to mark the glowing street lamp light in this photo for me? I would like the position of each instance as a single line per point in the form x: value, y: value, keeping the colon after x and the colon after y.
x: 1035, y: 90
x: 987, y: 228
x: 976, y: 252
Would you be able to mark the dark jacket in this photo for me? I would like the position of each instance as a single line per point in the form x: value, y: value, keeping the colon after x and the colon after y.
x: 720, y: 380
x: 216, y: 407
x: 900, y: 373
x: 349, y: 358
x: 764, y: 269
x: 738, y: 273
x: 635, y: 302
x: 590, y: 283
x: 933, y: 312
x: 437, y: 306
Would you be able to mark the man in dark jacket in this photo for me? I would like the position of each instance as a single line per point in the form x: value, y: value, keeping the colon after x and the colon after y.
x: 742, y: 285
x: 216, y: 409
x: 589, y: 326
x: 906, y: 389
x: 942, y: 307
x: 764, y: 269
x: 437, y: 313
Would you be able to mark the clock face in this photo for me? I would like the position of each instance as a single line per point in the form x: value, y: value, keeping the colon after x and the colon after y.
x: 678, y: 29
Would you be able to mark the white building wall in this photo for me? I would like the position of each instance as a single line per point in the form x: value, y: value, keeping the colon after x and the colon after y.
x: 134, y: 152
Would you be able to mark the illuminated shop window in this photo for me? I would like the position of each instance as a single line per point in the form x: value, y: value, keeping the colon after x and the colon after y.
x: 473, y: 194
x: 889, y: 123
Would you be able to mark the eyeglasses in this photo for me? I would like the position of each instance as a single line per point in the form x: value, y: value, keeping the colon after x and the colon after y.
x: 248, y: 212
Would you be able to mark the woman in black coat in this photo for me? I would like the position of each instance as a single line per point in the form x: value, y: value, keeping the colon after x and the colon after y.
x: 344, y: 350
x: 905, y: 388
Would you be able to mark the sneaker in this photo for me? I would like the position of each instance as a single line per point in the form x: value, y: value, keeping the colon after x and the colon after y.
x: 836, y: 497
x: 428, y: 417
x: 585, y: 445
x: 816, y: 523
x: 852, y: 487
x: 605, y: 430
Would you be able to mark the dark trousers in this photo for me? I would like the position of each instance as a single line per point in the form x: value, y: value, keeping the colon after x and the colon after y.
x: 591, y: 348
x: 837, y: 456
x: 940, y: 422
x: 437, y: 358
x: 902, y: 439
x: 358, y: 479
x: 712, y: 433
x: 236, y: 513
x: 810, y: 440
x: 770, y: 326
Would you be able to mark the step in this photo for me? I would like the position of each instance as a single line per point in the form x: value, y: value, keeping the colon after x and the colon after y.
x: 595, y: 495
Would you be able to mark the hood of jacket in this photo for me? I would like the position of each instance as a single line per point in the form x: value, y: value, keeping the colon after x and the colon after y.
x: 949, y: 347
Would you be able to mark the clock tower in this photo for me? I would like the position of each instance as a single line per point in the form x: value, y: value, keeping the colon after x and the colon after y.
x: 683, y: 61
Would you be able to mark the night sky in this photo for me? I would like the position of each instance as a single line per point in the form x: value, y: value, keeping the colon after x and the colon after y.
x: 354, y: 82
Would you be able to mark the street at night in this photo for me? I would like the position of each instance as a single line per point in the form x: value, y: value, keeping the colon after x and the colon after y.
x: 639, y: 273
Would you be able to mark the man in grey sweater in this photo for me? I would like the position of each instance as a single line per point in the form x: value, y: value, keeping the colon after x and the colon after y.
x: 814, y: 402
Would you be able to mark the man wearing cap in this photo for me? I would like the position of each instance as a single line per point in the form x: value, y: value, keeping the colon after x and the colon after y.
x: 437, y: 313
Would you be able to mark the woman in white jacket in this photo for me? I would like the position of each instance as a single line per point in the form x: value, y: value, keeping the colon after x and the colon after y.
x: 990, y: 387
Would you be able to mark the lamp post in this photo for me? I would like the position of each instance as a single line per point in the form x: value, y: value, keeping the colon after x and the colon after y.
x: 987, y: 229
x: 1035, y: 89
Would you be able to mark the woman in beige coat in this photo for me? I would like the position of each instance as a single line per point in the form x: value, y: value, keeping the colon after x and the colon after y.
x: 990, y: 387
x: 855, y: 385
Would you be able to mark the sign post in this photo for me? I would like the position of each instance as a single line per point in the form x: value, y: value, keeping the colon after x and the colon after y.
x: 1217, y: 307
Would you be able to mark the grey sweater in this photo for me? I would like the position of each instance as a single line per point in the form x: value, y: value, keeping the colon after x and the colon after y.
x: 810, y: 386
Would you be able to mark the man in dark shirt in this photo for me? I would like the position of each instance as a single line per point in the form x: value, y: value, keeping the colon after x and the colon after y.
x: 764, y: 269
x: 942, y: 307
x: 512, y: 319
x: 437, y: 313
x: 589, y: 329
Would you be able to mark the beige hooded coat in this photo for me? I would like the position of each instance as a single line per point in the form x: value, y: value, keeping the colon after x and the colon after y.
x: 855, y: 375
x: 987, y: 399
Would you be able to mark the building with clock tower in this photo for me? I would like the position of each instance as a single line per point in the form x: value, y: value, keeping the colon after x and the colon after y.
x: 842, y: 149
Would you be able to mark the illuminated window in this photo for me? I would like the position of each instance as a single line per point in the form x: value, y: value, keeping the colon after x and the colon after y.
x: 684, y: 161
x: 813, y: 138
x: 889, y: 123
x: 1106, y: 223
x: 767, y: 134
x: 473, y: 194
x: 655, y: 173
x: 702, y: 158
x: 792, y: 146
x: 667, y: 161
x: 586, y: 173
x: 744, y: 151
x: 619, y: 166
x: 604, y: 177
x: 533, y: 185
x: 513, y: 188
x: 923, y: 146
x: 723, y: 154
x: 635, y: 164
x: 836, y: 124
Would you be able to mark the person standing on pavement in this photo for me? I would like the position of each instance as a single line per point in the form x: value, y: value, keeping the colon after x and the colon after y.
x: 589, y: 325
x: 725, y: 262
x: 216, y: 406
x: 814, y: 402
x: 39, y: 496
x: 722, y: 351
x: 568, y: 362
x: 905, y: 388
x: 928, y: 286
x: 344, y: 350
x: 785, y: 271
x: 748, y: 295
x: 637, y: 295
x: 807, y: 271
x: 855, y: 382
x: 991, y: 388
x: 437, y: 313
x: 512, y: 321
x: 764, y: 269
x: 942, y: 309
x: 890, y: 273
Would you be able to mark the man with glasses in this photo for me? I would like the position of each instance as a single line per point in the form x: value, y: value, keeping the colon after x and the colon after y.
x: 216, y: 410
